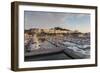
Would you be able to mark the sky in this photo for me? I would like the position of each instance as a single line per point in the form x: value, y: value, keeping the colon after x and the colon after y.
x: 72, y: 21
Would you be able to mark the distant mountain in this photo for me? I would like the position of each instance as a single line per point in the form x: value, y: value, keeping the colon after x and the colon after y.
x: 59, y: 28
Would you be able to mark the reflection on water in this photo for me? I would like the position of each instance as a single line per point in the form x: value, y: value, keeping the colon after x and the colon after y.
x: 56, y: 56
x: 36, y: 41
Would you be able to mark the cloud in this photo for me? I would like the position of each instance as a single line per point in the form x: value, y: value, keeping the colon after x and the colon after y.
x: 37, y: 19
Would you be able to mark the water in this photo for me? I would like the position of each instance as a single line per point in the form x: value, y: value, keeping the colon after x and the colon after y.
x: 56, y: 56
x: 73, y: 44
